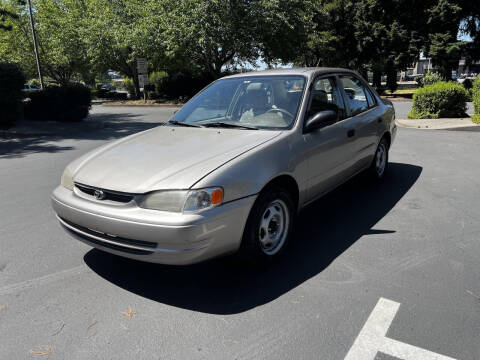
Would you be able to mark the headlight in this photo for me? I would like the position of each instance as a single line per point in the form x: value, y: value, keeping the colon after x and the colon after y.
x: 182, y: 200
x: 67, y: 180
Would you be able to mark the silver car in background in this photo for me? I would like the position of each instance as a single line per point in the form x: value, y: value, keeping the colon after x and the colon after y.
x: 230, y: 171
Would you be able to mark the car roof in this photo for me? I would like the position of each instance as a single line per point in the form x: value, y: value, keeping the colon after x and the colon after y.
x: 311, y: 71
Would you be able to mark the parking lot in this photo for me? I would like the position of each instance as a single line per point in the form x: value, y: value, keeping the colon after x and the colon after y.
x: 383, y: 271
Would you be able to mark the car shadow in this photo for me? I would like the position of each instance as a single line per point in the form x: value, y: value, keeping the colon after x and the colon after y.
x: 325, y: 230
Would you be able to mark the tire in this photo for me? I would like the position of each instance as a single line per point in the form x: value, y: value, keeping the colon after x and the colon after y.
x: 269, y: 227
x: 379, y: 165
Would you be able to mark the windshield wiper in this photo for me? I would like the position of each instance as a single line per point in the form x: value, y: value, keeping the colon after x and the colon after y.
x: 229, y: 125
x: 181, y: 123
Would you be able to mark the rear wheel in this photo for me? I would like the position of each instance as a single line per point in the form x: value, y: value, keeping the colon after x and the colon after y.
x: 268, y: 227
x: 380, y: 161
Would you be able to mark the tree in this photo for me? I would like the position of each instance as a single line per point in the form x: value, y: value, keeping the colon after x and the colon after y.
x: 470, y: 26
x: 6, y: 14
x: 60, y: 26
x: 387, y: 37
x: 331, y: 40
x: 16, y: 44
x: 282, y: 29
x: 60, y: 33
x: 443, y: 23
x: 210, y: 33
x: 120, y: 31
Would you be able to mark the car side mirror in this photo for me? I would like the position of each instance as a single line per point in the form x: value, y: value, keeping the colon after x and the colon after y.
x: 320, y: 120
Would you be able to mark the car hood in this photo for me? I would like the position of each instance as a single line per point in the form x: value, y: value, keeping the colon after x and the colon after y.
x: 165, y: 157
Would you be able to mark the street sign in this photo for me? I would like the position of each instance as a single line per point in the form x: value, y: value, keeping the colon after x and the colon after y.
x: 142, y: 66
x: 142, y: 80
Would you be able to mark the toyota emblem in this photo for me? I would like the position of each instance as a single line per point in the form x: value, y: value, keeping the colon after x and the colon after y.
x: 99, y: 194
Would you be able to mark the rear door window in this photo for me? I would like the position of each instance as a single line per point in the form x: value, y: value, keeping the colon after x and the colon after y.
x: 355, y: 94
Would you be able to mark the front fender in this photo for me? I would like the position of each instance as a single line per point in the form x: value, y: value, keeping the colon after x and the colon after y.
x: 250, y: 172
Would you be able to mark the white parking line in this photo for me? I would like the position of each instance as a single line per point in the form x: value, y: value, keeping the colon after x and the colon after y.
x: 372, y: 338
x: 43, y: 280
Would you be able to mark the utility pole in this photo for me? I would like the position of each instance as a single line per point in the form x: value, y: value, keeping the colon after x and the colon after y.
x: 34, y: 36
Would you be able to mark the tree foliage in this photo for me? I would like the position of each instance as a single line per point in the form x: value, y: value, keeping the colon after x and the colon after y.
x: 80, y: 39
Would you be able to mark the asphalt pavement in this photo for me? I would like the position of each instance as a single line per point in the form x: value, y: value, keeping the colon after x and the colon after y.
x: 389, y: 269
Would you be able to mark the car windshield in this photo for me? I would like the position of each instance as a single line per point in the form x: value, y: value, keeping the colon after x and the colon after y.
x: 263, y: 102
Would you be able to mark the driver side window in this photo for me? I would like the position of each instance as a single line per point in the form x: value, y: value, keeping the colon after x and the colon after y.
x: 326, y: 96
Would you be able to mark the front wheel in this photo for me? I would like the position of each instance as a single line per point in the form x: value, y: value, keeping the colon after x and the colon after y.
x: 380, y: 161
x: 268, y: 227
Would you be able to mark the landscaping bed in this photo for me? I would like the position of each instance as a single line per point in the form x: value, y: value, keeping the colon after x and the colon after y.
x: 440, y: 100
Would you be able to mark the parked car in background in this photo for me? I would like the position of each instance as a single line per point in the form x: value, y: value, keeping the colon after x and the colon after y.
x: 29, y: 88
x: 108, y: 87
x: 230, y: 170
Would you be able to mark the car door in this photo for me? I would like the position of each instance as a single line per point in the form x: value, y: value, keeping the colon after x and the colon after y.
x: 364, y: 116
x: 327, y: 149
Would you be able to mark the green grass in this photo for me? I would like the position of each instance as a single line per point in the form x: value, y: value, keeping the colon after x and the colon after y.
x: 476, y: 118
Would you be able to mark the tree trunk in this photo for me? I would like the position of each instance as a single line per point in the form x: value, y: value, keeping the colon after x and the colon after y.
x: 447, y: 72
x: 392, y: 79
x: 377, y: 79
x: 136, y: 82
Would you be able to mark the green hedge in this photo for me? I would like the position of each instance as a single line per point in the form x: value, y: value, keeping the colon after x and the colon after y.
x: 11, y: 95
x: 59, y: 103
x: 442, y: 99
x: 476, y: 100
x: 109, y: 95
x: 182, y: 85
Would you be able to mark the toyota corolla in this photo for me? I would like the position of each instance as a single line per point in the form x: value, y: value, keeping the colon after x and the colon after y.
x: 229, y: 172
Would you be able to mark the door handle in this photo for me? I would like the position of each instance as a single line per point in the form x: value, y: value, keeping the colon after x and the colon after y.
x: 351, y: 133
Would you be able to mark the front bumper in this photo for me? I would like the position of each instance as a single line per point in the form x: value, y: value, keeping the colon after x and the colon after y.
x: 151, y: 235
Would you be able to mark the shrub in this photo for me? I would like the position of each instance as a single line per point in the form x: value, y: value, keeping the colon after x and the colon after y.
x: 35, y: 82
x: 59, y: 103
x: 476, y: 85
x: 11, y: 85
x: 157, y: 78
x: 442, y: 99
x: 476, y: 100
x: 129, y: 86
x: 467, y: 84
x: 181, y: 85
x: 109, y: 95
x: 429, y: 78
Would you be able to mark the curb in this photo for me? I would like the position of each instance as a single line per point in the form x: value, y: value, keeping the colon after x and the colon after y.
x: 438, y: 124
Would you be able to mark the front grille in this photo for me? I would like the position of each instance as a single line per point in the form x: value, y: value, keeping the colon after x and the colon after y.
x: 109, y: 195
x: 117, y: 239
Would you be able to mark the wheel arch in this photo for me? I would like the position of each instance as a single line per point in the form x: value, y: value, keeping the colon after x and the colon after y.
x: 287, y: 182
x: 387, y: 136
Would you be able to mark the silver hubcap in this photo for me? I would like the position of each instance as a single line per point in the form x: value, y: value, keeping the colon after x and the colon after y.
x: 381, y: 159
x: 274, y: 227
